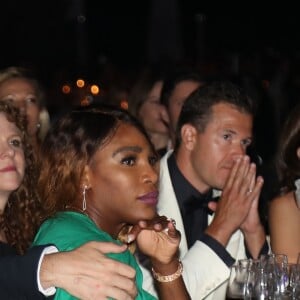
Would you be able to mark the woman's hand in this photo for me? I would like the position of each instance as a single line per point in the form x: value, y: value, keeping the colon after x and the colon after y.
x: 158, y: 238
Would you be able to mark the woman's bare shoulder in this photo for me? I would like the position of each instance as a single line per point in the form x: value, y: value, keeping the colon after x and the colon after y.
x: 284, y: 202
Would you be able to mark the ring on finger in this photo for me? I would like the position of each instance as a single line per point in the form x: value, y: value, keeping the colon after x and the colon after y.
x: 173, y: 221
x: 249, y: 191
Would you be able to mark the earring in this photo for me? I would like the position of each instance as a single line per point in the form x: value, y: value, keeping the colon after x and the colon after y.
x: 38, y: 125
x: 84, y: 198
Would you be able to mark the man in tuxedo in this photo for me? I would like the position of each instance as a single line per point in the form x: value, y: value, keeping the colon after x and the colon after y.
x: 213, y: 132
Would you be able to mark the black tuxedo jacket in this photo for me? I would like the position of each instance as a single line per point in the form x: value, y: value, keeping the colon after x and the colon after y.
x: 18, y: 274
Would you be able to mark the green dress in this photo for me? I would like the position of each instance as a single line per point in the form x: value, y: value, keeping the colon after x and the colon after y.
x: 68, y: 230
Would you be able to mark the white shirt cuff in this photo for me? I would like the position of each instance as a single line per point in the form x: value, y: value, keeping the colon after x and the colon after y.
x: 51, y: 290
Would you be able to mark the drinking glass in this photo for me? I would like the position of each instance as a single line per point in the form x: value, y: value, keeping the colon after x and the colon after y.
x: 294, y: 282
x: 281, y: 272
x: 238, y: 280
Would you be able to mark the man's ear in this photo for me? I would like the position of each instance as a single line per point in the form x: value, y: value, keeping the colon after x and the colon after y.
x: 298, y: 152
x: 188, y: 136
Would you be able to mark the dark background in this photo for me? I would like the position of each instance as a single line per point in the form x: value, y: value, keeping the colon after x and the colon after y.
x: 63, y: 39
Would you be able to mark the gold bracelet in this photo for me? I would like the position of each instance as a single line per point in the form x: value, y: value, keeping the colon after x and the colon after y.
x: 168, y: 278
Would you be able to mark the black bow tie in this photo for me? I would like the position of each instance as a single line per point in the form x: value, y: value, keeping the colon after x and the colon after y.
x: 195, y: 203
x: 195, y: 220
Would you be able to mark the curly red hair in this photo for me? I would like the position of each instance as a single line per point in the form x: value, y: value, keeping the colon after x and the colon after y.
x: 22, y: 214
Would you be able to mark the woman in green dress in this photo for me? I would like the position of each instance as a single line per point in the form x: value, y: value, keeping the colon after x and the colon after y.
x: 98, y: 180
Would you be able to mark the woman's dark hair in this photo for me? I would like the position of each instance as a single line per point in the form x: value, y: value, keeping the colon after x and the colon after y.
x: 70, y: 145
x: 22, y: 213
x: 288, y: 162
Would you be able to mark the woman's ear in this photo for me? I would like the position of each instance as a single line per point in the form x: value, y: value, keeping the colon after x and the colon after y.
x: 85, y: 181
x: 188, y: 136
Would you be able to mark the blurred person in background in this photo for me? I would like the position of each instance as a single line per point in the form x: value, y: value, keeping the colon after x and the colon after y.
x: 178, y: 85
x: 144, y: 104
x: 21, y: 87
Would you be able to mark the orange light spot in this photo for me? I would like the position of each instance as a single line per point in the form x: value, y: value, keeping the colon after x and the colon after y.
x: 66, y: 89
x: 80, y: 83
x: 95, y: 89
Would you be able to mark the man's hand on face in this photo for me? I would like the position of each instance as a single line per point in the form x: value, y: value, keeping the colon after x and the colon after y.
x: 237, y: 207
